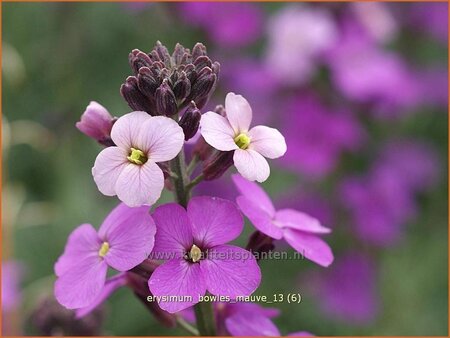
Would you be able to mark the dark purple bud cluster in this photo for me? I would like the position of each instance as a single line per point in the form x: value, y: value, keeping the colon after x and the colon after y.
x: 163, y: 84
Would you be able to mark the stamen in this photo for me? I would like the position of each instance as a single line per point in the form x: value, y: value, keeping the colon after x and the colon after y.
x: 104, y: 249
x: 242, y: 141
x: 137, y: 156
x: 195, y: 254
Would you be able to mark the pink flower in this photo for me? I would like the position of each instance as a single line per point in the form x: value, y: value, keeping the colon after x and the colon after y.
x: 96, y: 122
x: 123, y: 241
x: 231, y: 133
x: 198, y: 259
x: 300, y: 230
x: 130, y: 169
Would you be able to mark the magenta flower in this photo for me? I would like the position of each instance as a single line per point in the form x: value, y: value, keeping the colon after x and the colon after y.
x: 12, y: 273
x: 297, y: 228
x: 193, y: 242
x: 130, y: 169
x: 96, y: 122
x: 231, y: 133
x: 123, y: 241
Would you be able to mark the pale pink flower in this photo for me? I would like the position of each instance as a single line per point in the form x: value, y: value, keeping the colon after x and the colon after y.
x: 130, y: 169
x: 231, y: 133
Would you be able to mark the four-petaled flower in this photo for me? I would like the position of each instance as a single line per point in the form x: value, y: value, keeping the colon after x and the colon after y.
x: 193, y: 242
x: 130, y: 169
x: 123, y: 241
x: 231, y: 133
x: 297, y: 228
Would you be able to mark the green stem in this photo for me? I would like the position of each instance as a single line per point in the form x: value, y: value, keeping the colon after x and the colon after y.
x: 188, y: 327
x: 191, y: 166
x: 182, y: 194
x: 204, y: 314
x: 194, y: 182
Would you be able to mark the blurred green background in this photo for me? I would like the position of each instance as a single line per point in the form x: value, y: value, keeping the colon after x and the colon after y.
x: 59, y: 56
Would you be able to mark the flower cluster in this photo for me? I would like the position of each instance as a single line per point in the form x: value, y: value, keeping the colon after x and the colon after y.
x: 179, y: 252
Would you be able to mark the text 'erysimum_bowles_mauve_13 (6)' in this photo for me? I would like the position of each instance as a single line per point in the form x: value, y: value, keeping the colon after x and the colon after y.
x: 178, y: 252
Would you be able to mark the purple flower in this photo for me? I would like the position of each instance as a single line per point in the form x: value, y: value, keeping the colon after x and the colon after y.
x: 228, y: 24
x: 96, y: 122
x: 433, y: 17
x: 231, y: 133
x: 297, y: 228
x: 130, y: 169
x: 11, y: 276
x: 363, y: 72
x: 314, y: 150
x: 347, y: 291
x: 298, y: 35
x: 193, y: 241
x: 123, y: 241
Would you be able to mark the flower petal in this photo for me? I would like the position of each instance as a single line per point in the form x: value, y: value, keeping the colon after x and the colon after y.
x: 174, y: 234
x: 267, y: 141
x: 310, y: 246
x: 139, y: 185
x: 214, y: 220
x: 230, y: 271
x: 255, y: 193
x: 251, y: 325
x: 161, y: 137
x: 259, y: 218
x: 177, y: 278
x: 107, y: 167
x: 130, y: 233
x: 82, y: 284
x: 126, y: 129
x: 217, y: 131
x: 82, y: 243
x: 299, y: 220
x: 251, y: 165
x: 239, y: 112
x: 111, y: 285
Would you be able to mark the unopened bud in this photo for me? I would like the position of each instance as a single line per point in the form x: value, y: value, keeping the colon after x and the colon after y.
x: 166, y: 104
x: 190, y: 121
x: 135, y: 99
x: 147, y: 82
x: 218, y: 165
x: 198, y: 50
x: 182, y: 87
x: 96, y: 122
x: 259, y: 243
x: 202, y: 149
x: 138, y: 59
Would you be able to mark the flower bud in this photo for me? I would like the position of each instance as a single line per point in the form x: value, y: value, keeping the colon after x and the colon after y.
x: 147, y: 82
x: 135, y: 99
x: 166, y: 104
x: 216, y: 166
x: 198, y: 50
x: 190, y: 121
x: 52, y: 319
x: 138, y: 59
x: 259, y: 243
x: 96, y: 122
x: 182, y: 87
x: 163, y: 53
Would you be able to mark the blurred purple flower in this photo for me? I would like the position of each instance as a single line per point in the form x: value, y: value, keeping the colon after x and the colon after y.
x: 298, y: 35
x: 365, y: 73
x: 228, y: 24
x: 197, y: 259
x: 11, y: 276
x: 415, y: 164
x: 123, y: 241
x: 434, y: 84
x: 376, y: 19
x: 379, y: 205
x: 300, y: 230
x: 348, y: 291
x: 317, y: 136
x: 433, y: 17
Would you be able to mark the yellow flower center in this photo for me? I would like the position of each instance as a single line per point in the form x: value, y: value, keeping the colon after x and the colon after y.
x: 104, y: 249
x: 242, y: 141
x: 137, y: 156
x: 195, y: 254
